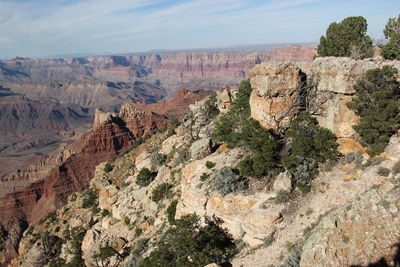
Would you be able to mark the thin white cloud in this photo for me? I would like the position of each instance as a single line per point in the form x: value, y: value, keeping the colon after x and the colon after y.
x: 45, y: 27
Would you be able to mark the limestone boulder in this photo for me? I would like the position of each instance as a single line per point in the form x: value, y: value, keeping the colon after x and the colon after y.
x: 200, y: 148
x: 283, y: 182
x: 276, y: 90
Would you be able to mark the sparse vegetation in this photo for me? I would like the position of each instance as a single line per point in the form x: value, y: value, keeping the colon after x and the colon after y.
x: 171, y: 211
x: 396, y: 168
x: 282, y: 196
x: 145, y: 177
x: 346, y: 39
x: 189, y: 244
x: 89, y: 198
x: 160, y: 191
x: 108, y: 167
x: 382, y: 171
x: 377, y: 104
x: 158, y: 159
x: 210, y: 164
x: 228, y: 180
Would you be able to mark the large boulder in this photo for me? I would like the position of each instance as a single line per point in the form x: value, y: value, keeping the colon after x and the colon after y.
x: 276, y: 86
x: 276, y: 92
x: 200, y: 148
x: 365, y: 231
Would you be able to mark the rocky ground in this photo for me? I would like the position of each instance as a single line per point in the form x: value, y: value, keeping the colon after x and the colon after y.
x: 347, y: 217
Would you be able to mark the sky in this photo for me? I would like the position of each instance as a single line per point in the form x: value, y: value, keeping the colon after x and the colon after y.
x: 40, y: 28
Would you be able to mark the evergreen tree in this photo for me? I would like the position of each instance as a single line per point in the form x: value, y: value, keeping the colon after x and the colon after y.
x: 392, y: 32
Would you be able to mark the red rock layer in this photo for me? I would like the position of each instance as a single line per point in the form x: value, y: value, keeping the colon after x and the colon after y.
x: 177, y: 106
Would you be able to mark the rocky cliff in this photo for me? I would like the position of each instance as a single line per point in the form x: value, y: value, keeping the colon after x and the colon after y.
x: 348, y: 216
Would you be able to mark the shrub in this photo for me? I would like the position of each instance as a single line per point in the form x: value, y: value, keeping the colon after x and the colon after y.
x: 396, y: 168
x: 204, y: 177
x: 171, y: 211
x: 189, y: 244
x: 158, y: 159
x: 346, y: 39
x: 282, y: 196
x: 377, y: 104
x: 145, y: 177
x: 108, y: 167
x: 382, y: 171
x: 209, y: 109
x: 227, y: 180
x: 294, y: 257
x: 160, y: 191
x: 392, y: 49
x: 309, y: 144
x: 183, y: 155
x: 210, y: 165
x: 226, y: 131
x: 89, y: 198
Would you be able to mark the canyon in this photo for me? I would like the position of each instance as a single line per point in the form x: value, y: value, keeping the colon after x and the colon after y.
x: 47, y: 103
x: 47, y: 107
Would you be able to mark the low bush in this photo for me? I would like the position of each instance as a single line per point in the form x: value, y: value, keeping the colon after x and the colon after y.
x: 89, y: 198
x: 158, y: 159
x: 190, y: 244
x: 210, y: 164
x: 160, y: 191
x: 171, y: 211
x: 228, y: 180
x: 145, y: 177
x: 396, y: 168
x: 282, y: 196
x: 382, y: 171
x: 108, y: 167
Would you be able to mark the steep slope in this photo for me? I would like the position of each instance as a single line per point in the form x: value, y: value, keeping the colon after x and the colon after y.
x: 347, y: 216
x: 104, y: 142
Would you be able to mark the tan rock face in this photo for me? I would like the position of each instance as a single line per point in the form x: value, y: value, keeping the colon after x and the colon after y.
x: 276, y: 85
x: 358, y: 234
x: 275, y: 90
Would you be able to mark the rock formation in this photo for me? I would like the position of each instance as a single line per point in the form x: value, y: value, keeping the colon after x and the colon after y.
x: 277, y: 88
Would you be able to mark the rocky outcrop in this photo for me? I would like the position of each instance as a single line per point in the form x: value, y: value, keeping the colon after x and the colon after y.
x: 365, y: 231
x: 103, y: 143
x: 277, y: 87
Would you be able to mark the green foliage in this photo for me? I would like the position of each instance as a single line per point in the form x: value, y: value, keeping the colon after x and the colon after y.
x: 171, y: 211
x: 108, y: 167
x: 346, y: 39
x: 189, y: 244
x: 228, y: 180
x: 209, y: 109
x: 309, y: 145
x: 106, y: 252
x: 135, y: 144
x: 138, y: 231
x: 210, y: 164
x: 377, y: 102
x: 204, y: 177
x: 172, y: 126
x: 145, y: 177
x: 382, y: 171
x: 392, y: 32
x: 282, y: 196
x: 76, y: 236
x: 183, y: 155
x: 89, y: 198
x: 228, y: 127
x: 294, y: 257
x: 160, y: 191
x: 396, y: 168
x: 158, y: 159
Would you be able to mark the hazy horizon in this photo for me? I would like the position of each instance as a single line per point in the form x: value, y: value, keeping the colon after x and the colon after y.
x: 44, y: 28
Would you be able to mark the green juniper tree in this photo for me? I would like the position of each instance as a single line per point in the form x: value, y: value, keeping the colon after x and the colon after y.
x: 346, y: 39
